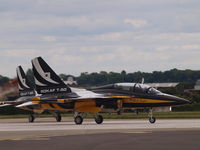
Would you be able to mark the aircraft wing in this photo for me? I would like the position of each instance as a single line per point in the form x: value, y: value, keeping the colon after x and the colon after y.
x: 87, y: 95
x: 81, y: 95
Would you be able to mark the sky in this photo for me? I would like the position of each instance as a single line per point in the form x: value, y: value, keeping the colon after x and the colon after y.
x: 75, y: 36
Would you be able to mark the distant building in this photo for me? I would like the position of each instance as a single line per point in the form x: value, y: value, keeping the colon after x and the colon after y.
x: 70, y: 81
x: 162, y: 85
x: 196, y: 88
x: 162, y: 109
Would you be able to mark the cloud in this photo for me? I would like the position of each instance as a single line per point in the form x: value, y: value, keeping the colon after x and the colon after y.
x: 78, y: 36
x: 49, y: 38
x: 137, y: 23
x: 180, y: 48
x: 19, y: 52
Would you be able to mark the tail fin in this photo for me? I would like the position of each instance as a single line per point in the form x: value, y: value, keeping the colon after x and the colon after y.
x: 46, y: 80
x: 25, y: 88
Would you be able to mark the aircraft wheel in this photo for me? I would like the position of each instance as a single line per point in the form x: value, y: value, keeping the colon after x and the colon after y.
x: 98, y: 119
x: 58, y: 117
x: 152, y: 119
x: 31, y: 118
x: 119, y: 112
x: 78, y: 120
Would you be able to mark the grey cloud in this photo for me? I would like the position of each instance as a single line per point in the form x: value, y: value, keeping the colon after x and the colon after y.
x: 76, y: 36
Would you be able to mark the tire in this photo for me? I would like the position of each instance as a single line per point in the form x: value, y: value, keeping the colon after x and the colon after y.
x: 98, y: 119
x: 119, y: 112
x: 31, y: 118
x: 152, y: 120
x: 78, y: 120
x: 58, y: 117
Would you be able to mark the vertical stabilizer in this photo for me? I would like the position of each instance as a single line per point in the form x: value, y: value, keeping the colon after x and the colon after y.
x: 46, y: 80
x: 25, y: 88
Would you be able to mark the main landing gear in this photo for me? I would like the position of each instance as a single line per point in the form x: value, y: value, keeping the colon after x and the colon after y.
x: 151, y: 118
x: 57, y: 116
x: 31, y: 118
x: 78, y: 119
x: 98, y: 119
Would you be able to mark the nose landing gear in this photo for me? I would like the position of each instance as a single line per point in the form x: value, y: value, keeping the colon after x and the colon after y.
x: 151, y: 118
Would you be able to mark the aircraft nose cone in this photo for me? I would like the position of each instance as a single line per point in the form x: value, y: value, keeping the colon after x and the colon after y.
x: 179, y: 101
x: 183, y: 101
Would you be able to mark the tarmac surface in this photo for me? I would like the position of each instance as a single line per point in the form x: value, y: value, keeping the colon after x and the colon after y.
x: 125, y: 134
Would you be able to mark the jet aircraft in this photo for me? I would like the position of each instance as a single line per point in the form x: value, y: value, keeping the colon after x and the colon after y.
x: 57, y: 95
x: 26, y: 93
x: 54, y: 95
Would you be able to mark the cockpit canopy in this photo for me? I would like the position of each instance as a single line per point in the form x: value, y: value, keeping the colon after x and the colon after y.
x: 136, y: 88
x: 130, y: 87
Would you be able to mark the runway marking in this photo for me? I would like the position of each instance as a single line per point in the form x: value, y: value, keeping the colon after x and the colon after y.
x: 135, y: 132
x: 12, y: 139
x: 24, y: 138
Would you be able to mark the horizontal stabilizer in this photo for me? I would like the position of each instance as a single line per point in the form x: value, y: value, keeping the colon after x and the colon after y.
x: 26, y: 104
x: 4, y: 105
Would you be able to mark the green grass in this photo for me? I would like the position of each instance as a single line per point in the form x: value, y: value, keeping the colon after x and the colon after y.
x: 161, y: 115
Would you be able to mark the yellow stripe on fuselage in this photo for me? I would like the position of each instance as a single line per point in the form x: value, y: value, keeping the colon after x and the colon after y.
x: 61, y: 100
x: 128, y: 99
x: 142, y: 100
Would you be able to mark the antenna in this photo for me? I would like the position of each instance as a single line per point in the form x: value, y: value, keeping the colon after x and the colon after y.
x: 142, y: 82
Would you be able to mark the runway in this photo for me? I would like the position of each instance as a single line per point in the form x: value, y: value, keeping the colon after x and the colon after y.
x: 155, y: 140
x: 49, y: 127
x: 112, y: 134
x: 43, y: 124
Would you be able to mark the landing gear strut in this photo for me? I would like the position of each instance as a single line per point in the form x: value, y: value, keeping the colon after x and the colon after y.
x: 31, y: 118
x: 119, y: 112
x: 151, y: 118
x: 58, y: 117
x: 98, y: 119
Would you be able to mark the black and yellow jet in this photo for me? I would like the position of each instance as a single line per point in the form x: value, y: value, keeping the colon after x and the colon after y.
x: 56, y: 95
x: 26, y: 93
x: 52, y: 94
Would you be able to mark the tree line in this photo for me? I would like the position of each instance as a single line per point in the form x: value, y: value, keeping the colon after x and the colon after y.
x: 3, y: 80
x: 103, y: 77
